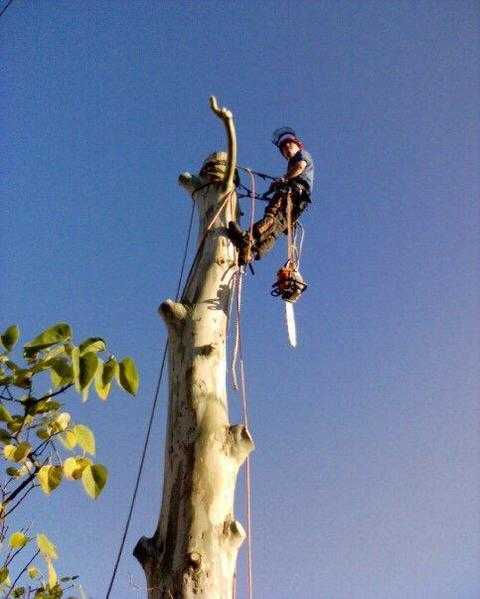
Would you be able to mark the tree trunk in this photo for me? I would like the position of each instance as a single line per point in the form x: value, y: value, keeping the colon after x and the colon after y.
x: 194, y: 549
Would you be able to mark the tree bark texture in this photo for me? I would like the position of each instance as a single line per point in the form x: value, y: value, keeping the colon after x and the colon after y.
x: 194, y: 549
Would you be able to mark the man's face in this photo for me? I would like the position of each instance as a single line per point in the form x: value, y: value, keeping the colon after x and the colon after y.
x: 289, y: 149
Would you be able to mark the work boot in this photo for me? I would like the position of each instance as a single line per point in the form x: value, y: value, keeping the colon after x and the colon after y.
x: 243, y: 242
x: 235, y: 233
x: 246, y: 250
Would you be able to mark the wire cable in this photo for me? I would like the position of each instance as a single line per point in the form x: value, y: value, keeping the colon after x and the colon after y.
x: 5, y: 7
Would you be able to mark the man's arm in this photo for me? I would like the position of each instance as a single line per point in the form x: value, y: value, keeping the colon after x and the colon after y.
x: 295, y: 170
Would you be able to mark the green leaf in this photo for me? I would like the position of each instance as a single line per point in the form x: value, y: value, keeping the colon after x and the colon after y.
x: 33, y: 572
x: 5, y: 436
x: 68, y: 439
x: 102, y: 391
x: 61, y: 372
x: 19, y: 592
x: 128, y: 376
x: 60, y: 423
x: 59, y: 333
x: 49, y: 478
x: 73, y: 467
x: 16, y: 423
x: 17, y: 472
x: 92, y: 344
x: 5, y: 379
x: 10, y: 337
x: 3, y: 575
x: 75, y: 357
x: 42, y: 434
x: 9, y: 452
x: 56, y: 351
x: 56, y: 380
x: 46, y: 405
x: 13, y: 366
x: 94, y: 479
x: 85, y: 438
x: 5, y: 415
x: 17, y: 453
x: 88, y: 364
x: 23, y: 378
x: 22, y: 451
x: 17, y: 540
x: 104, y: 377
x: 47, y: 548
x: 52, y: 576
x: 110, y: 370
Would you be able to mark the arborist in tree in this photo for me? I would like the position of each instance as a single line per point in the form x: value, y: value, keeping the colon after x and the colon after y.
x: 295, y: 185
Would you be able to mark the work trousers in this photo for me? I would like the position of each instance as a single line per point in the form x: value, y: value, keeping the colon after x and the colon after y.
x: 275, y: 219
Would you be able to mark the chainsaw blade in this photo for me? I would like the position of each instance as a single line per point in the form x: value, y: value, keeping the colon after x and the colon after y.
x: 291, y: 327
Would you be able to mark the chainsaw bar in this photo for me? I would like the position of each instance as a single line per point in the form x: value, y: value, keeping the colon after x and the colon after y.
x: 291, y: 326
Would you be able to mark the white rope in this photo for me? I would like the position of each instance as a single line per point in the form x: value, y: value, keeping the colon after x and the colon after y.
x: 243, y: 393
x: 238, y: 364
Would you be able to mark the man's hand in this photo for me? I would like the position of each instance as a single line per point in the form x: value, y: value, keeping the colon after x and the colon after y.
x: 274, y: 185
x: 297, y: 169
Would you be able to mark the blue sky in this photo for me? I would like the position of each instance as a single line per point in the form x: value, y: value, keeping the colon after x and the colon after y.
x: 365, y: 473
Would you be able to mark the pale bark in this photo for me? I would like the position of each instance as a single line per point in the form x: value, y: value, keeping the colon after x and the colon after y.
x: 194, y: 549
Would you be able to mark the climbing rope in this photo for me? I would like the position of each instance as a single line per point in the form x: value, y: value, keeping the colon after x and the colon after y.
x: 290, y: 250
x: 251, y: 171
x: 237, y: 288
x: 254, y: 195
x: 294, y: 247
x: 248, y: 483
x: 202, y: 241
x: 238, y: 357
x: 298, y: 246
x: 251, y: 193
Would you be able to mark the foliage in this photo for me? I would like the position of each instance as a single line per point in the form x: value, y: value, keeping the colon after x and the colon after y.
x: 41, y: 445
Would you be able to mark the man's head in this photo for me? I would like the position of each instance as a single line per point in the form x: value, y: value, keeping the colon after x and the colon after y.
x: 289, y: 148
x: 287, y: 142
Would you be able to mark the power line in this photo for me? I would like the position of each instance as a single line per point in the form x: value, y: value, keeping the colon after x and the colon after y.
x: 5, y: 7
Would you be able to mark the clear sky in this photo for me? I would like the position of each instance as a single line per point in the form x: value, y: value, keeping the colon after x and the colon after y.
x: 365, y: 474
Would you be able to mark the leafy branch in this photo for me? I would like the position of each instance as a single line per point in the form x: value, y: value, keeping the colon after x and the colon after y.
x: 65, y: 449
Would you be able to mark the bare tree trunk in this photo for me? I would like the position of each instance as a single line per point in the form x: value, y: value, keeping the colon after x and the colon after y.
x: 194, y: 549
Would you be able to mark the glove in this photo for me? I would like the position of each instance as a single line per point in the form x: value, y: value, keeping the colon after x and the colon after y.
x: 277, y: 184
